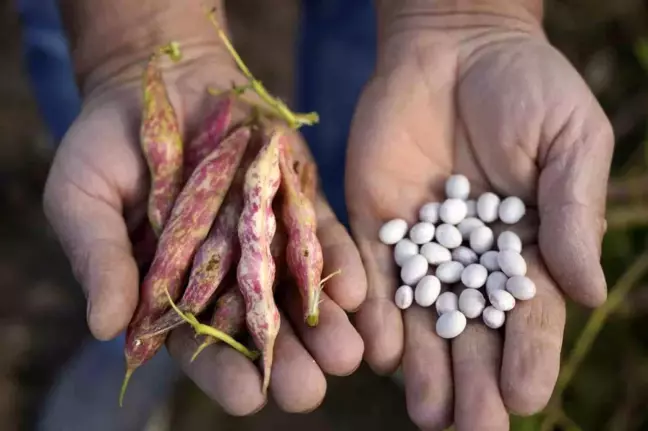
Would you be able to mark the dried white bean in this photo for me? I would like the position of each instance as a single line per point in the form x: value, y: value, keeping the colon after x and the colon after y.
x: 512, y: 263
x: 393, y: 231
x: 481, y: 239
x: 493, y: 318
x: 449, y: 272
x: 435, y: 253
x: 496, y: 281
x: 522, y: 288
x: 451, y: 324
x: 467, y: 225
x: 427, y: 291
x: 422, y: 232
x: 502, y: 300
x: 489, y: 260
x: 430, y: 212
x: 414, y: 269
x: 488, y: 206
x: 474, y: 276
x: 403, y: 250
x: 511, y: 210
x: 471, y: 303
x: 404, y: 297
x: 464, y: 255
x: 448, y: 236
x: 446, y: 302
x: 457, y: 186
x: 471, y: 207
x: 508, y: 240
x: 452, y: 211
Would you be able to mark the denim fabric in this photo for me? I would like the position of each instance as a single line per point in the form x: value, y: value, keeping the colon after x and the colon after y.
x: 336, y: 56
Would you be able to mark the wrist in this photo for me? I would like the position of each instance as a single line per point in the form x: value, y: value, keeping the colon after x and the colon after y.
x: 452, y: 16
x: 111, y: 39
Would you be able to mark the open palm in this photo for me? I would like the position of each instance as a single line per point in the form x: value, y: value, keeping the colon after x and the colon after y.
x: 504, y: 108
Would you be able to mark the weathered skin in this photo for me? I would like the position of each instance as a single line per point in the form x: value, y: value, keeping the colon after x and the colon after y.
x: 215, y: 128
x: 161, y: 144
x: 189, y: 224
x: 256, y: 269
x: 303, y: 251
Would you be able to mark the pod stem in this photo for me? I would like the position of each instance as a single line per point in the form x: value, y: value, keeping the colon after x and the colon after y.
x: 202, y: 329
x: 199, y: 350
x: 122, y: 392
x: 312, y: 318
x: 294, y: 120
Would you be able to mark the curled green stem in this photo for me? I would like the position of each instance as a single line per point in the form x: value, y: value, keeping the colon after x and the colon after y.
x: 202, y: 329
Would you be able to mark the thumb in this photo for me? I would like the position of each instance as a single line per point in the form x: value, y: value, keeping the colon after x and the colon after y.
x: 571, y: 197
x: 88, y: 221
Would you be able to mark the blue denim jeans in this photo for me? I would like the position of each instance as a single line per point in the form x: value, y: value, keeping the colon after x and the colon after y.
x: 336, y: 55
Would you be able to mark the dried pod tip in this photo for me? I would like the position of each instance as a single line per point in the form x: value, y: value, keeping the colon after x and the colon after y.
x: 202, y: 329
x: 122, y: 392
x: 312, y: 319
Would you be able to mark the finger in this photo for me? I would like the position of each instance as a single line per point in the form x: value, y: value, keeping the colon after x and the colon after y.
x: 476, y: 359
x: 571, y: 198
x: 222, y: 373
x: 534, y: 333
x: 348, y: 289
x: 297, y: 384
x: 427, y: 371
x: 89, y: 224
x: 334, y: 342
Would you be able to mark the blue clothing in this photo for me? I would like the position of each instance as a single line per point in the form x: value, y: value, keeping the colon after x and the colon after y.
x: 335, y: 57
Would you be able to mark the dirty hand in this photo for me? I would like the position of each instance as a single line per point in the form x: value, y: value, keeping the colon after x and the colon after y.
x: 96, y: 197
x: 479, y: 92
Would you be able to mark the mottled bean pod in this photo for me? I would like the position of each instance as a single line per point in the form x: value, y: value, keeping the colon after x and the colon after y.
x: 256, y: 269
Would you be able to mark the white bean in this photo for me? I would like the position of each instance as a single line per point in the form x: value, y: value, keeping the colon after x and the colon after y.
x: 493, y: 318
x: 452, y: 211
x: 489, y: 260
x: 512, y: 263
x: 471, y: 303
x: 457, y: 186
x: 448, y: 236
x: 496, y: 281
x: 435, y: 253
x: 427, y: 291
x: 502, y: 300
x: 471, y: 207
x: 451, y: 324
x: 393, y: 231
x: 488, y: 206
x: 467, y: 225
x: 414, y: 269
x: 511, y: 210
x: 508, y: 240
x: 422, y: 232
x: 449, y: 272
x: 481, y: 239
x: 522, y: 288
x: 464, y: 255
x: 474, y: 276
x: 403, y: 250
x: 404, y: 297
x: 430, y: 212
x: 446, y: 302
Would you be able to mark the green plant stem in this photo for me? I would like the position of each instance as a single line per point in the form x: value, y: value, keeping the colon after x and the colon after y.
x: 593, y: 327
x: 627, y: 216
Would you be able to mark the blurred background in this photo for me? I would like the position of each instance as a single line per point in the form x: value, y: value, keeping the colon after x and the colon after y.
x: 604, y: 381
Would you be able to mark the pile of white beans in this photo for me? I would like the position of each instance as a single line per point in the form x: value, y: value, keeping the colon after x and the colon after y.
x: 452, y: 248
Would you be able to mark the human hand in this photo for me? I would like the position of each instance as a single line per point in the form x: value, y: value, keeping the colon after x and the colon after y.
x: 95, y: 199
x: 483, y: 94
